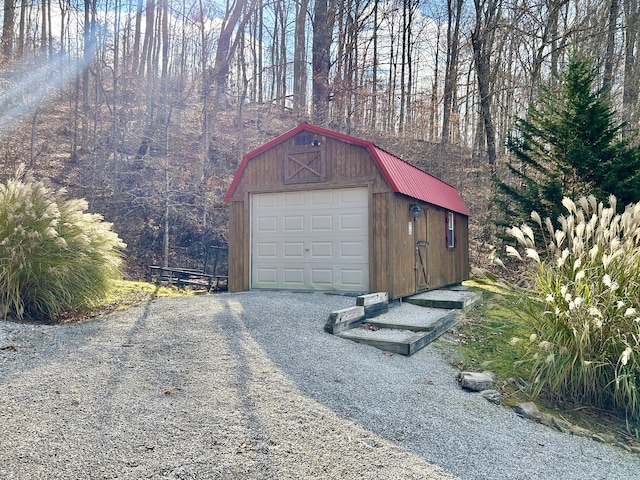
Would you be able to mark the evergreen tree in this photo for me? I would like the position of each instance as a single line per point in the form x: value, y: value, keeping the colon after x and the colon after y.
x: 570, y: 145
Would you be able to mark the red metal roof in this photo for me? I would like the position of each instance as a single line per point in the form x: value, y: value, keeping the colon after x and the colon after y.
x: 401, y: 176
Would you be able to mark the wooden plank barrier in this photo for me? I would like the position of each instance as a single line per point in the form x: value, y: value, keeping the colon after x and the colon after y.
x: 367, y: 306
x: 374, y: 303
x: 182, y: 277
x: 344, y: 319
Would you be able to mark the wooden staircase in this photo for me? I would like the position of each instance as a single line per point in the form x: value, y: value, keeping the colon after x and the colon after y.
x: 407, y: 326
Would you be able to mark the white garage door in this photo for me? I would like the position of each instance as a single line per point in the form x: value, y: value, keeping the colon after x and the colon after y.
x: 311, y: 240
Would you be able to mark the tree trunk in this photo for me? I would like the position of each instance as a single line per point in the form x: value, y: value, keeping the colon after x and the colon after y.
x: 225, y: 52
x: 88, y: 36
x: 136, y: 39
x: 164, y: 72
x: 260, y: 52
x: 374, y: 80
x: 482, y: 42
x: 433, y: 107
x: 451, y: 69
x: 631, y: 47
x: 607, y: 77
x: 283, y: 60
x: 403, y: 62
x: 7, y: 28
x: 43, y: 29
x: 321, y: 62
x: 21, y: 33
x: 147, y: 44
x: 300, y: 59
x: 49, y: 30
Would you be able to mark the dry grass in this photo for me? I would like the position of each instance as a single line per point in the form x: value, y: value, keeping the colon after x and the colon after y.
x: 584, y: 343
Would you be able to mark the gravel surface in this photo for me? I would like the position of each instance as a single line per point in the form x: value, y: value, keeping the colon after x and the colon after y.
x: 249, y: 386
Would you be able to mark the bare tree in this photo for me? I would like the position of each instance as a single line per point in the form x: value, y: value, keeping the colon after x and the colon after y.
x: 612, y: 26
x: 235, y: 18
x: 487, y: 14
x: 136, y: 38
x: 454, y: 12
x: 323, y: 20
x: 300, y: 58
x: 8, y: 28
x: 631, y: 70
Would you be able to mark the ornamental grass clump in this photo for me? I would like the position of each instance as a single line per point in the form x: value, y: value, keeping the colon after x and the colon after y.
x: 54, y: 257
x: 585, y: 345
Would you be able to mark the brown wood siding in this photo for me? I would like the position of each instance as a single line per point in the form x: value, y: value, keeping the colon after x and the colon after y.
x: 238, y: 247
x: 445, y: 266
x: 346, y: 165
x: 462, y: 257
x: 403, y: 249
x: 380, y: 257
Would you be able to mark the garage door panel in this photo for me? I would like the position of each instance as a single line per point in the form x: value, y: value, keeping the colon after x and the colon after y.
x: 267, y: 250
x: 267, y: 276
x: 267, y: 200
x: 352, y: 221
x: 294, y: 250
x: 321, y: 223
x: 293, y: 223
x: 351, y: 250
x: 267, y: 224
x: 321, y: 276
x: 352, y: 277
x: 293, y: 199
x: 321, y: 198
x: 294, y: 277
x: 312, y: 240
x: 322, y: 250
x: 353, y: 196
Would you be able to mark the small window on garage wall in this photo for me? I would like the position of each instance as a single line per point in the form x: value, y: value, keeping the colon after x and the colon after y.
x: 450, y: 221
x: 304, y: 139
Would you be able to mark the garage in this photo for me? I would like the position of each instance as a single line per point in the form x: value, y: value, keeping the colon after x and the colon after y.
x: 318, y: 210
x: 310, y: 240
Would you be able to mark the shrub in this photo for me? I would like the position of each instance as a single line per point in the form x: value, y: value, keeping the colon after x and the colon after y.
x: 585, y: 345
x: 54, y: 256
x: 569, y: 141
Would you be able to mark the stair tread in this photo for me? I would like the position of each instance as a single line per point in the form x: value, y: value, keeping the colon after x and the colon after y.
x: 410, y: 316
x: 412, y: 325
x: 446, y: 298
x: 384, y: 334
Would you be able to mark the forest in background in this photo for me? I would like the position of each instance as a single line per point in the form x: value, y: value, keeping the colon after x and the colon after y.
x: 145, y: 108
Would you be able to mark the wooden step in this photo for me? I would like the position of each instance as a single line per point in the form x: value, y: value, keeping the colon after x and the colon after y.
x: 402, y: 341
x: 446, y: 298
x: 423, y: 319
x: 407, y: 327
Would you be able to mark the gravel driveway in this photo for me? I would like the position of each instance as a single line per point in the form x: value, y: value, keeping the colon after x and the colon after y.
x: 248, y: 386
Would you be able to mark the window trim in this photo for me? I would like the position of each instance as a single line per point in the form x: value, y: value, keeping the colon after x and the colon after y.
x: 451, y: 230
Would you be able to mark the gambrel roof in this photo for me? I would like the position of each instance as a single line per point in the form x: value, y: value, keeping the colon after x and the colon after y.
x: 401, y: 176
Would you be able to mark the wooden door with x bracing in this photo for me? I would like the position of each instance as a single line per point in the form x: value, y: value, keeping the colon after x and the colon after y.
x: 422, y: 251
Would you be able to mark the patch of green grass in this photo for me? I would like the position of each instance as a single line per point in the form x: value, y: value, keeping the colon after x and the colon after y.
x: 484, y: 339
x: 126, y: 293
x: 123, y: 295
